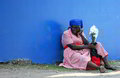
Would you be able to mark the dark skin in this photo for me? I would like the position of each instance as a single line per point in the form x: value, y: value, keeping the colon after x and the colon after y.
x: 76, y: 30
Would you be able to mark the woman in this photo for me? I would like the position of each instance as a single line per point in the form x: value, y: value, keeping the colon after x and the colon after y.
x: 77, y: 49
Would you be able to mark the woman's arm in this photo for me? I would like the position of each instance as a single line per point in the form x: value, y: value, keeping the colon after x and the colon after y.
x: 85, y: 41
x: 79, y: 47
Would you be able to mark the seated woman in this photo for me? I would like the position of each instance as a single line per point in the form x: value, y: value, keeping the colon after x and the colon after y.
x: 77, y: 49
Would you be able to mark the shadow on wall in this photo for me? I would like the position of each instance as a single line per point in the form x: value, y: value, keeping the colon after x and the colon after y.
x: 50, y: 40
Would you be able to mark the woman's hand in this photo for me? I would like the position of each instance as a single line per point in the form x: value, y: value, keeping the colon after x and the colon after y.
x: 85, y: 41
x: 80, y: 33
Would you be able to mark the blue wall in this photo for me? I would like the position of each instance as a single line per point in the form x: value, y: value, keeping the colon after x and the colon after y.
x: 32, y: 28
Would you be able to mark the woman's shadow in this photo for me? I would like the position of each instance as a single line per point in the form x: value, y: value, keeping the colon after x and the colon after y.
x: 54, y: 34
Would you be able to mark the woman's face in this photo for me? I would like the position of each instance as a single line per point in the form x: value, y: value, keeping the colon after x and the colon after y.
x: 75, y: 29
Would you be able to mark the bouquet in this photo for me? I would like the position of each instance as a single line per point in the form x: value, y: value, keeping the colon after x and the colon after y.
x: 93, y: 33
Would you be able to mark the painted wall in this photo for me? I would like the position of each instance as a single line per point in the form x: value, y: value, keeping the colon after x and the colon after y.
x: 32, y: 28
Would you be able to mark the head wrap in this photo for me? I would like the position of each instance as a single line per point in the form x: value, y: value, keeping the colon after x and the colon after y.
x: 76, y: 22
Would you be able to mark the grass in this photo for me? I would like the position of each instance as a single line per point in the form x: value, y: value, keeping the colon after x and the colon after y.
x: 35, y: 66
x: 112, y: 63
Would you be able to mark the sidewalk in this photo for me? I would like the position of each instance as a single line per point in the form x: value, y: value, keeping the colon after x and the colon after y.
x: 52, y: 71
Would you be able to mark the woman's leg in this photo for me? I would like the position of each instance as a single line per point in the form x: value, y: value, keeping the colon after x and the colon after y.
x: 101, y: 51
x: 105, y: 60
x: 93, y: 65
x: 106, y: 63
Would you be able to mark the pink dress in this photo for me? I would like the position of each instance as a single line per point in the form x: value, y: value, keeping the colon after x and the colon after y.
x: 77, y: 59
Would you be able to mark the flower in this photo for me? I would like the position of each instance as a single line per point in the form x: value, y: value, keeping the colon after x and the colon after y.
x: 93, y: 32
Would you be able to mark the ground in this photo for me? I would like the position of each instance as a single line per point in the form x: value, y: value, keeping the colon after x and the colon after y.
x: 53, y: 71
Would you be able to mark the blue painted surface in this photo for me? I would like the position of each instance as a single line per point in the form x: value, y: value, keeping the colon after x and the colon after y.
x: 32, y: 28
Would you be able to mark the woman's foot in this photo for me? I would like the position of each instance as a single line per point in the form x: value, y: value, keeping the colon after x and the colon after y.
x: 110, y: 68
x: 102, y: 69
x: 107, y: 65
x: 101, y: 63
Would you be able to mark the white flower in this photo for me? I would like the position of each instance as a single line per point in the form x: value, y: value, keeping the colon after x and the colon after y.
x: 94, y: 31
